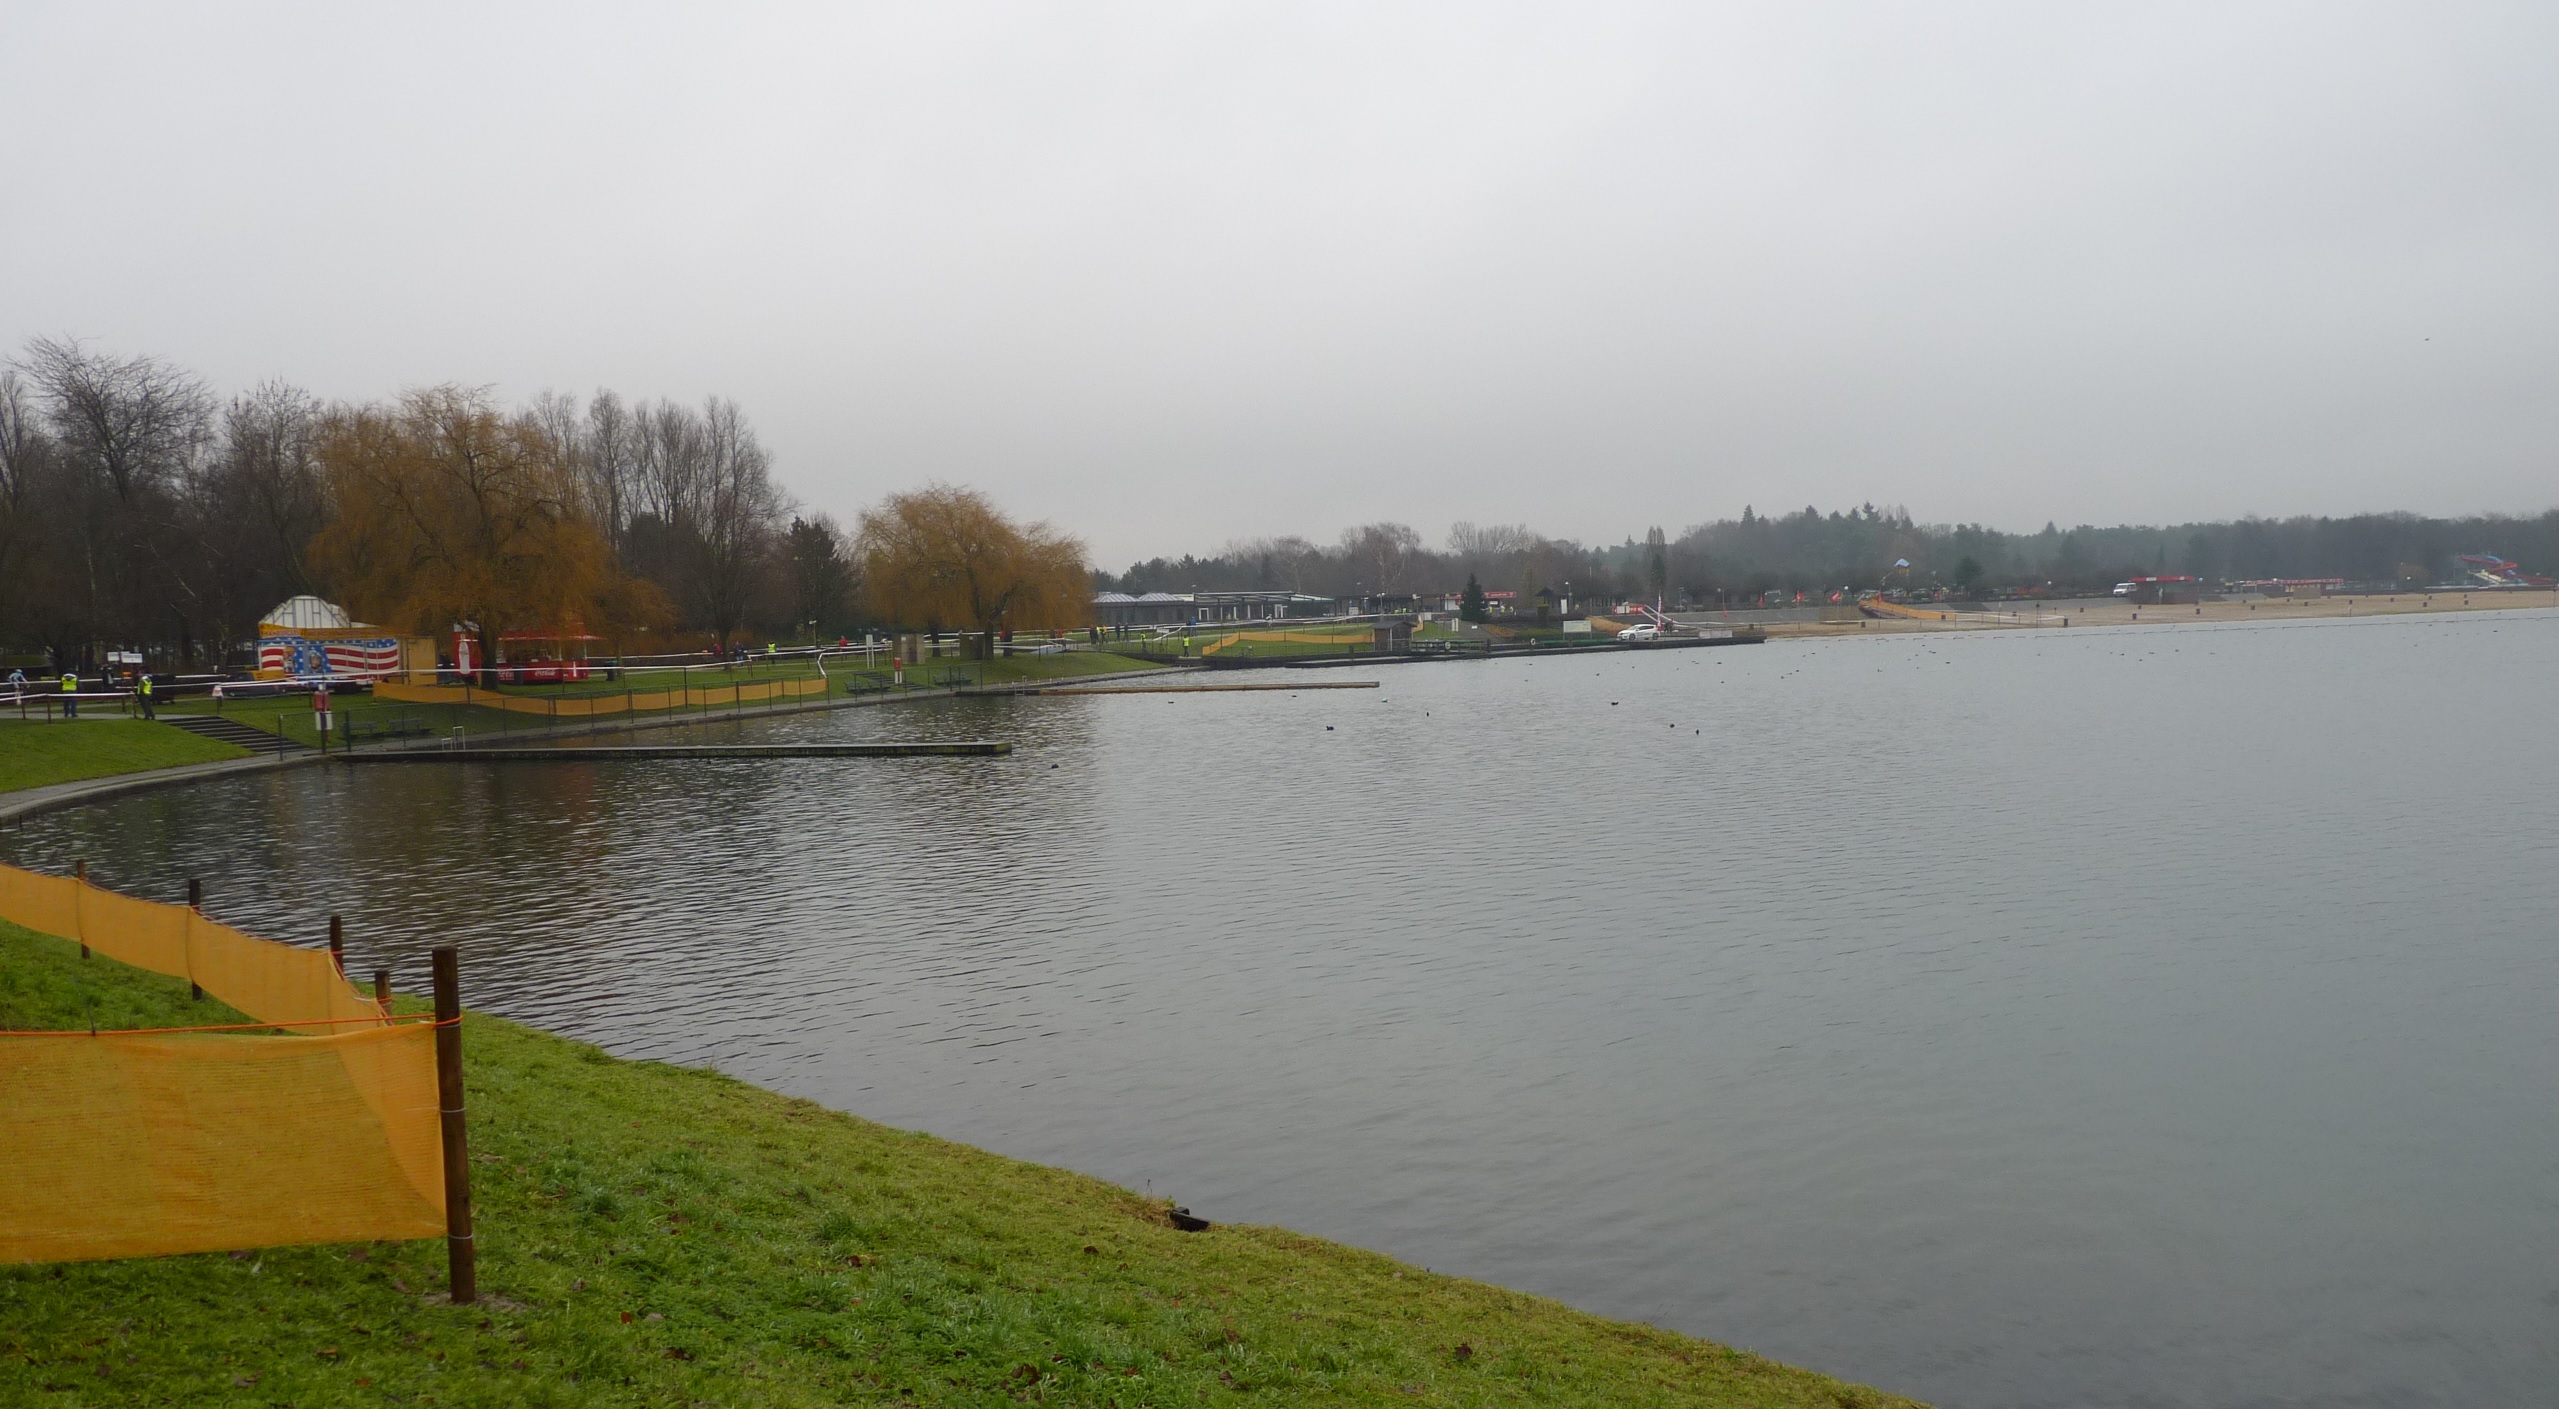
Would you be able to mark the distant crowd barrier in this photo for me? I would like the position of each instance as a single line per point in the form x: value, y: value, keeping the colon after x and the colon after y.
x: 1303, y: 638
x: 130, y: 1144
x: 1895, y: 610
x: 589, y: 706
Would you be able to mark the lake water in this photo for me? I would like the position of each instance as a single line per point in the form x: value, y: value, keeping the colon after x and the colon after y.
x: 2131, y: 1017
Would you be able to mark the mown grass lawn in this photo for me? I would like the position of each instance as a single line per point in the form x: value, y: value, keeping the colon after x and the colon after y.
x: 34, y: 755
x: 657, y: 1235
x: 291, y: 714
x: 1000, y: 670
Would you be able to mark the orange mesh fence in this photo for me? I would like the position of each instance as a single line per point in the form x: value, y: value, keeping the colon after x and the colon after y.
x: 127, y: 1144
x: 132, y: 1144
x: 1882, y: 608
x: 589, y: 706
x: 1358, y: 636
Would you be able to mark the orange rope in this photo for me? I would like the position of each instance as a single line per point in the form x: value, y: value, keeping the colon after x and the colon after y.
x: 404, y: 1019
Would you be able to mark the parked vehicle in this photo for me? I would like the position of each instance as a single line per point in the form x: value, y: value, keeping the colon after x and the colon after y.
x: 1641, y: 631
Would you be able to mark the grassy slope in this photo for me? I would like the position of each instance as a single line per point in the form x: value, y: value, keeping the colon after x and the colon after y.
x: 35, y: 755
x: 1000, y: 670
x: 1339, y: 639
x: 652, y: 1234
x: 294, y: 714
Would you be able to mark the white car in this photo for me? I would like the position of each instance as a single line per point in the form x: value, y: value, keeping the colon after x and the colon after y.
x: 1641, y: 631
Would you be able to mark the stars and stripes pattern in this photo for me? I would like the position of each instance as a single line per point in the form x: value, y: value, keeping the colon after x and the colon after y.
x: 300, y: 655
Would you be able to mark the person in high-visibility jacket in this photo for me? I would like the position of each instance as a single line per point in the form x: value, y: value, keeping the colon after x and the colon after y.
x: 70, y: 695
x: 144, y: 691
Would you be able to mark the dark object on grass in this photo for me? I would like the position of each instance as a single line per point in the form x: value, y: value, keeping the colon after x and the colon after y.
x: 1183, y: 1220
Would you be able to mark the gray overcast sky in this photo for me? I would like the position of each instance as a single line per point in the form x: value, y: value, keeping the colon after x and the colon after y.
x: 1169, y: 275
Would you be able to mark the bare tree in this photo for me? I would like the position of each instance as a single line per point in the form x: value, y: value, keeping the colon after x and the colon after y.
x: 1476, y: 547
x: 22, y: 439
x: 1379, y: 553
x: 264, y: 488
x: 612, y: 444
x: 740, y: 509
x: 129, y: 432
x: 138, y: 421
x: 26, y: 456
x: 667, y: 462
x: 705, y: 513
x: 1285, y: 561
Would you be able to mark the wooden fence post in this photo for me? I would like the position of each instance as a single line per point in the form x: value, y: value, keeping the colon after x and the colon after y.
x: 79, y: 921
x: 382, y: 989
x: 460, y: 1259
x: 338, y: 946
x: 195, y: 903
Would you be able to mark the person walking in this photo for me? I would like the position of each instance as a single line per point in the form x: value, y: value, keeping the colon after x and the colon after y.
x: 143, y: 689
x: 70, y: 695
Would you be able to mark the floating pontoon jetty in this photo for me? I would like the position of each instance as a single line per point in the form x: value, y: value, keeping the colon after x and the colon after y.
x: 619, y: 753
x: 1291, y: 686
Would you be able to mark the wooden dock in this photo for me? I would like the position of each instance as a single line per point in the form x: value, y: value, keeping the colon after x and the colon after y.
x: 1204, y: 689
x: 622, y: 753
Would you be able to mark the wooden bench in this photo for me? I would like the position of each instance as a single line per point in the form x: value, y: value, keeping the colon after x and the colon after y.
x: 386, y: 726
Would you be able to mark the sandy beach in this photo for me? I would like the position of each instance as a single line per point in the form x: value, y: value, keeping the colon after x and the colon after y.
x: 2025, y: 615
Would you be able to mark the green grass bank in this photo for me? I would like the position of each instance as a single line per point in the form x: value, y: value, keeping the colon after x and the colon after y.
x: 365, y: 715
x: 657, y: 1235
x: 36, y: 755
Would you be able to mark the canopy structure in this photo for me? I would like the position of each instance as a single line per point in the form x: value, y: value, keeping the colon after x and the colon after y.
x: 305, y: 615
x: 306, y: 636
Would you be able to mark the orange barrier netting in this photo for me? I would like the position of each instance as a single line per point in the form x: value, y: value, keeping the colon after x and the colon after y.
x: 1301, y: 638
x: 131, y: 1144
x: 588, y: 706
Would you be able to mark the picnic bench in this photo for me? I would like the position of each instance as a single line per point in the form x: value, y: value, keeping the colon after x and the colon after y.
x: 384, y: 725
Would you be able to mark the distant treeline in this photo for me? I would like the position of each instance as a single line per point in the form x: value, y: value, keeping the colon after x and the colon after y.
x: 137, y: 510
x: 1856, y: 548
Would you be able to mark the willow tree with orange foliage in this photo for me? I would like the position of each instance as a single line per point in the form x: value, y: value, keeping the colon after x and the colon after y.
x: 449, y: 512
x: 940, y: 559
